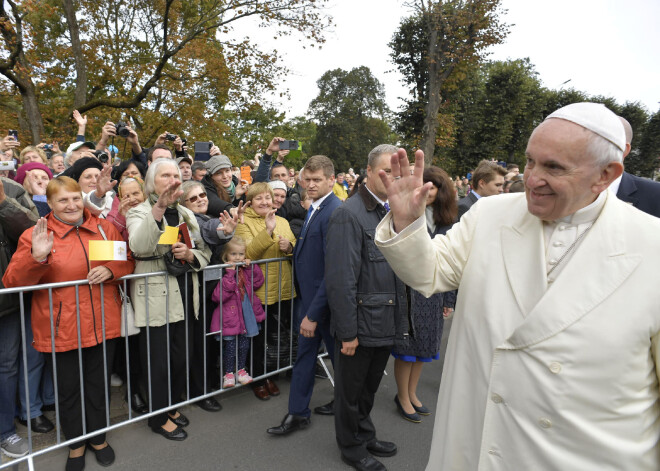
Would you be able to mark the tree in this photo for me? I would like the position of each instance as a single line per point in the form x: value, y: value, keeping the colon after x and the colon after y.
x: 638, y: 162
x: 647, y: 160
x: 457, y: 33
x: 351, y: 113
x: 158, y: 62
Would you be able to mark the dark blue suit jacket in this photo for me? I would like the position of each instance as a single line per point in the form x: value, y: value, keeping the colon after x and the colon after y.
x: 642, y: 193
x: 309, y: 262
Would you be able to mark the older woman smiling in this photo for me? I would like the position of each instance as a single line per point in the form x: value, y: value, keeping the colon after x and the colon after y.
x: 56, y: 250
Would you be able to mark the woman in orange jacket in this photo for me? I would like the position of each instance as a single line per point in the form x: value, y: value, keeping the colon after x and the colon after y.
x: 57, y: 250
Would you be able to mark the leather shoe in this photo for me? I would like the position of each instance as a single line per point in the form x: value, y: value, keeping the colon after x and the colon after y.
x: 365, y: 464
x: 381, y: 448
x: 422, y: 410
x: 138, y: 405
x: 104, y: 456
x: 209, y: 405
x: 272, y: 388
x: 261, y: 392
x: 326, y: 409
x: 414, y: 417
x: 181, y: 421
x: 39, y: 424
x: 289, y: 424
x: 177, y: 434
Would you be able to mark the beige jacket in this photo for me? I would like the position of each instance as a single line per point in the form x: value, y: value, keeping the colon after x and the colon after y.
x: 160, y: 295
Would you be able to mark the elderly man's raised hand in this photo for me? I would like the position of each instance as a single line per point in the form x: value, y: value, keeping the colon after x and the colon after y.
x: 406, y: 192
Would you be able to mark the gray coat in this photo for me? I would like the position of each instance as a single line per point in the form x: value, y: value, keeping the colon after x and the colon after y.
x: 17, y: 213
x: 367, y: 300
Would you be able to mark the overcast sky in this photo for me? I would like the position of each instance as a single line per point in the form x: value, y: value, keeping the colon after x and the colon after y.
x: 604, y: 47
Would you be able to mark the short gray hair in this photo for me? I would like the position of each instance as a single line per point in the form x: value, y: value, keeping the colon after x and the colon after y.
x: 379, y: 150
x: 149, y: 185
x: 187, y: 187
x: 602, y: 150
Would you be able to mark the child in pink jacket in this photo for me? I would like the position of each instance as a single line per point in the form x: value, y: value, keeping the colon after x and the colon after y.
x: 241, y: 311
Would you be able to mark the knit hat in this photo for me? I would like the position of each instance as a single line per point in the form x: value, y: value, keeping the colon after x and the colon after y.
x: 23, y: 169
x: 217, y: 162
x: 77, y: 169
x: 596, y: 118
x: 277, y: 185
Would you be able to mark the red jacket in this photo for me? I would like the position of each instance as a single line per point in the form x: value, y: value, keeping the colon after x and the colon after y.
x: 68, y: 261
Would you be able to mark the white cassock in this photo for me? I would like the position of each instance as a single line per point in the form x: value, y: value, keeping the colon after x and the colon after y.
x: 539, y: 375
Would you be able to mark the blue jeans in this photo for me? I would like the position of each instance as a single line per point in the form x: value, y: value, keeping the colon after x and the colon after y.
x: 10, y: 342
x: 40, y: 382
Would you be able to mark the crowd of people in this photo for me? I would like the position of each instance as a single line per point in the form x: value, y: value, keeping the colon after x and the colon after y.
x: 338, y: 279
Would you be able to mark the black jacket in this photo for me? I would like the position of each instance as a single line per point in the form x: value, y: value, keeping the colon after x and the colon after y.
x: 293, y: 212
x: 367, y: 300
x: 17, y: 213
x: 216, y: 204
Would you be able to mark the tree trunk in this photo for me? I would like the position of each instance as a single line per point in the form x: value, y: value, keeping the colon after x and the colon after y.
x: 80, y: 94
x: 32, y: 112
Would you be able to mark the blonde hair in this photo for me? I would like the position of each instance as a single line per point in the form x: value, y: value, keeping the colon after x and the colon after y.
x: 235, y: 241
x: 40, y: 152
x: 257, y: 189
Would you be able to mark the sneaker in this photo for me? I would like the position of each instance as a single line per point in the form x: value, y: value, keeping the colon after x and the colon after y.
x: 115, y: 380
x: 243, y: 376
x: 14, y: 446
x: 228, y: 381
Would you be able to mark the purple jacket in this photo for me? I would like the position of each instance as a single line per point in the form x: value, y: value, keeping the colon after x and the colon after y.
x: 232, y: 310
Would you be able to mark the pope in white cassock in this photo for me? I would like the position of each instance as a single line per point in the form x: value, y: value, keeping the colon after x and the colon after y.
x: 552, y: 362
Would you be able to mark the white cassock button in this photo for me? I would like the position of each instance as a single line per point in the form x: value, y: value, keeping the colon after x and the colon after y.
x: 561, y: 228
x: 555, y: 367
x: 558, y: 244
x: 552, y: 262
x: 545, y: 423
x: 492, y: 452
x: 497, y: 399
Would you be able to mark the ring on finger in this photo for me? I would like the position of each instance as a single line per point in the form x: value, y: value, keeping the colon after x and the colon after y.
x: 397, y: 178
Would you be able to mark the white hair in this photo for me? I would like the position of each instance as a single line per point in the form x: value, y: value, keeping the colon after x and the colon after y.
x: 602, y: 150
x: 149, y: 185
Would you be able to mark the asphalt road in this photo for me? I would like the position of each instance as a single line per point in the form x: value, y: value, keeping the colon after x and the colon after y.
x: 236, y: 439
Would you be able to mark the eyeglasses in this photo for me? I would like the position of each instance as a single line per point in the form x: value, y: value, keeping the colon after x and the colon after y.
x: 192, y: 199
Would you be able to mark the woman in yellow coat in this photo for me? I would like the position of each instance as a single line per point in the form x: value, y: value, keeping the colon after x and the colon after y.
x: 269, y: 236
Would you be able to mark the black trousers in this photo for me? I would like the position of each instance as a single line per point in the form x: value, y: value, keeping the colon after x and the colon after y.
x: 198, y: 341
x: 94, y: 384
x: 268, y: 335
x: 120, y: 365
x: 356, y: 381
x: 156, y: 352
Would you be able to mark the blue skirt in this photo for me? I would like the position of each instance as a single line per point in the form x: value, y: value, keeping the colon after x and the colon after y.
x: 412, y: 359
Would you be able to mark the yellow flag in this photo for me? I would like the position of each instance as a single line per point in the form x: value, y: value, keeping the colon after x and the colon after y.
x: 170, y: 236
x: 104, y: 250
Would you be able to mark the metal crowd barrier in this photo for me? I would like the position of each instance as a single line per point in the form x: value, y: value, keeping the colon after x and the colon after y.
x: 209, y: 274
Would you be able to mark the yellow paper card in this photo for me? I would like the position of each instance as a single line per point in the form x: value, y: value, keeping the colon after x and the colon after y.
x: 170, y: 236
x: 104, y: 250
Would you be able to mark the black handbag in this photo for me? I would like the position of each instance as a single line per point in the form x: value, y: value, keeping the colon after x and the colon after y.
x: 173, y: 266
